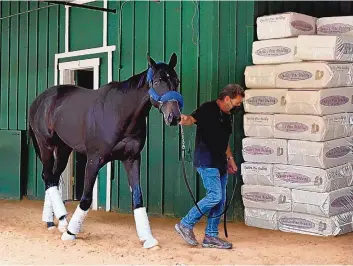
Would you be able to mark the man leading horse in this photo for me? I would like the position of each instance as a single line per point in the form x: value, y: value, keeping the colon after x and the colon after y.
x: 213, y: 159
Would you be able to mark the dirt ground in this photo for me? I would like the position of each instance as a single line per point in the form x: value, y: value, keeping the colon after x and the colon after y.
x: 110, y: 238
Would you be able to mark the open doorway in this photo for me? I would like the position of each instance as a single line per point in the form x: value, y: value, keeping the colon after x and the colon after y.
x: 84, y: 73
x: 83, y: 78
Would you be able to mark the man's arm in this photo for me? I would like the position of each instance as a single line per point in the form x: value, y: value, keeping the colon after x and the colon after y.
x: 187, y: 120
x: 229, y: 153
x: 232, y: 167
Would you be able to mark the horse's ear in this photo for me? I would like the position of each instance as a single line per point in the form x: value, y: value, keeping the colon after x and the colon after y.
x: 173, y: 60
x: 151, y: 62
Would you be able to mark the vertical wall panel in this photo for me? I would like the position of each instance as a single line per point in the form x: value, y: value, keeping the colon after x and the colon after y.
x: 13, y: 88
x: 232, y: 179
x: 61, y: 29
x: 23, y: 68
x: 5, y: 66
x: 141, y: 47
x: 171, y: 171
x: 42, y: 76
x: 102, y: 174
x: 189, y: 90
x: 244, y: 39
x: 53, y: 41
x: 113, y: 39
x: 155, y: 151
x: 32, y: 88
x: 127, y: 60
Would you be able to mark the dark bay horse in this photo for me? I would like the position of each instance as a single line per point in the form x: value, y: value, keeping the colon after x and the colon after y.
x: 105, y: 124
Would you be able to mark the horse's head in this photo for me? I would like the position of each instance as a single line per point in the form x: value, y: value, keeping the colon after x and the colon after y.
x: 163, y: 83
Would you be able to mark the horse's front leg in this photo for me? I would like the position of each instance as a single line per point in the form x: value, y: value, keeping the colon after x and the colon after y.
x: 75, y: 226
x: 132, y: 167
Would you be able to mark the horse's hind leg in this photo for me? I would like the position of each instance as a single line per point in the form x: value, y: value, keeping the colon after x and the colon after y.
x: 53, y: 201
x: 47, y: 160
x: 94, y: 163
x: 132, y: 167
x: 61, y: 157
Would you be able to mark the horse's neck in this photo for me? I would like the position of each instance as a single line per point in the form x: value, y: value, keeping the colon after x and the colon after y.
x: 138, y: 116
x: 135, y: 104
x: 144, y: 106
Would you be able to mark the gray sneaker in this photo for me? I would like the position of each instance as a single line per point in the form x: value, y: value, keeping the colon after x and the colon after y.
x: 215, y: 242
x: 187, y: 234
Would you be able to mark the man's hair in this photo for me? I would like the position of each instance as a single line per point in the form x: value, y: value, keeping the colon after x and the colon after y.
x: 231, y: 90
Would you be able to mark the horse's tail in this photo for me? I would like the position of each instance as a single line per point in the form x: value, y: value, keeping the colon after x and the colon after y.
x: 34, y: 140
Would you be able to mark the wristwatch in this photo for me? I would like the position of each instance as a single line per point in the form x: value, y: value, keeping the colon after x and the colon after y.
x: 229, y: 158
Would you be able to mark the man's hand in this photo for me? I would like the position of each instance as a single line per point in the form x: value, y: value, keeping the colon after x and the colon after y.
x: 186, y: 120
x: 232, y: 167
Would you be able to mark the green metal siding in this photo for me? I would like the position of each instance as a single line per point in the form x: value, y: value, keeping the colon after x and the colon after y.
x: 212, y: 40
x: 11, y: 164
x: 86, y: 27
x: 28, y: 45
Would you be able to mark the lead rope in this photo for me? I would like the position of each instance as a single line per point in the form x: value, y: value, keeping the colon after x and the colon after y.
x: 183, y: 148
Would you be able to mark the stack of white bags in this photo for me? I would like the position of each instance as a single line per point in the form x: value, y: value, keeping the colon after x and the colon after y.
x: 299, y: 126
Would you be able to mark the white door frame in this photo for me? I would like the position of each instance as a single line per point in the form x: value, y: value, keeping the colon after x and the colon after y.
x: 67, y: 71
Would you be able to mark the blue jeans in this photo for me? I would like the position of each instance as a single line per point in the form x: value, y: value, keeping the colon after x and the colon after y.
x: 213, y: 202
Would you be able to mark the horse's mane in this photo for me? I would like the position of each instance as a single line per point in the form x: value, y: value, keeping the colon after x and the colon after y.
x: 135, y: 82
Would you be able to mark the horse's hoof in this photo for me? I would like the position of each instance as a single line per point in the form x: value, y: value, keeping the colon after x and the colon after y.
x: 62, y: 226
x: 155, y: 248
x: 51, y: 228
x: 150, y: 243
x: 67, y: 237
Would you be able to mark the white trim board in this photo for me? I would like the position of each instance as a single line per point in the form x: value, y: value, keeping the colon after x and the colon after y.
x: 67, y: 18
x: 80, y: 64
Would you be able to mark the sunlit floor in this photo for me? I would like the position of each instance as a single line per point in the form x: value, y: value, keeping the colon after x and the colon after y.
x: 110, y: 238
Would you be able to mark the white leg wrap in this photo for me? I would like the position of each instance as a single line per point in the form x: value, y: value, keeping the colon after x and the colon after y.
x: 143, y: 228
x: 77, y: 220
x: 57, y: 202
x: 48, y: 214
x: 62, y: 226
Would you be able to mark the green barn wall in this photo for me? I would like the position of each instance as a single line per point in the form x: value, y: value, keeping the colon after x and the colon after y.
x: 28, y: 44
x: 211, y: 39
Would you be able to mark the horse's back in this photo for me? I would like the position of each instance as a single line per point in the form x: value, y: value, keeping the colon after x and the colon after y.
x: 58, y: 103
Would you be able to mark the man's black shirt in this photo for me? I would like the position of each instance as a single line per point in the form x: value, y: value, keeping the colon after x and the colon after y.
x: 212, y: 136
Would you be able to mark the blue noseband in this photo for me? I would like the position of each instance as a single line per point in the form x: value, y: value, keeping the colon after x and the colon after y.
x: 166, y: 97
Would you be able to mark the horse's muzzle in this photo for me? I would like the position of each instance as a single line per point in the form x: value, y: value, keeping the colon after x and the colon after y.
x: 172, y: 120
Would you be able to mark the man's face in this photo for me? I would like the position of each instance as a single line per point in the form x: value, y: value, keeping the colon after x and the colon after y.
x: 232, y: 104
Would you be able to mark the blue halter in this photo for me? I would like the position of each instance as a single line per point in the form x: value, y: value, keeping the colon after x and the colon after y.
x: 168, y: 96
